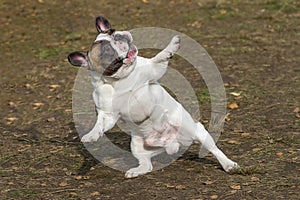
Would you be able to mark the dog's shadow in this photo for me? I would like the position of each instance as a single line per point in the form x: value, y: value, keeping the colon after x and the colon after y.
x: 122, y: 141
x: 191, y: 156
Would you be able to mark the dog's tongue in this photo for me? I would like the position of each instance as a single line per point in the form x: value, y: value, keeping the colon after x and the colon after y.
x: 131, y: 55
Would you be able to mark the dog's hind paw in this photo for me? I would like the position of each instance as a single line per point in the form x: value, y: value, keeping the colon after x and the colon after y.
x: 172, y: 148
x: 231, y: 167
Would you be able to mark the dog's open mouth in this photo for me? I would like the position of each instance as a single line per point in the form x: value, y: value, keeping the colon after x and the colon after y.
x: 119, y: 61
x: 131, y: 55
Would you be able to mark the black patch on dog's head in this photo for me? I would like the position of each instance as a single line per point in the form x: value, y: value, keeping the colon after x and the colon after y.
x: 113, y: 67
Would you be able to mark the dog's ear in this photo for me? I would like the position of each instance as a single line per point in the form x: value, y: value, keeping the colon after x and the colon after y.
x: 102, y: 24
x: 78, y: 58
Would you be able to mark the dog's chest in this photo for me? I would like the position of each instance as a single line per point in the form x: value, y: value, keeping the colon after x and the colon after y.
x: 133, y: 105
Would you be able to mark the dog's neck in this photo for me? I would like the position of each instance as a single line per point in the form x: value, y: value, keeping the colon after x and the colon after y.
x: 99, y: 78
x: 108, y: 80
x: 111, y: 80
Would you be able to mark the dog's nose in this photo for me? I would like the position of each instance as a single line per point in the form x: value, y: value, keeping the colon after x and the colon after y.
x: 128, y: 35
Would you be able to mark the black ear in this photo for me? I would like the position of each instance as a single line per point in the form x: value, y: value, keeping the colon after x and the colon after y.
x: 102, y: 24
x: 78, y: 58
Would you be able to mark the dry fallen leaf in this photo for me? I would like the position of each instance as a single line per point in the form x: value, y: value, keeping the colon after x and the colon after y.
x: 53, y: 87
x: 92, y: 168
x: 75, y: 155
x: 63, y: 184
x: 256, y: 149
x: 12, y: 104
x: 21, y: 135
x: 28, y: 86
x: 73, y: 194
x: 180, y: 187
x: 177, y: 187
x: 232, y: 105
x: 294, y: 15
x: 11, y: 119
x: 236, y: 187
x: 236, y: 94
x: 253, y: 178
x: 227, y: 118
x: 37, y: 105
x: 56, y: 149
x: 68, y: 110
x: 96, y: 193
x: 233, y: 192
x: 223, y: 11
x: 195, y: 24
x: 10, y: 183
x: 43, y: 184
x: 170, y: 186
x: 245, y: 134
x: 51, y: 119
x: 291, y: 151
x: 208, y: 182
x: 214, y: 196
x: 233, y: 142
x: 296, y: 111
x: 279, y: 154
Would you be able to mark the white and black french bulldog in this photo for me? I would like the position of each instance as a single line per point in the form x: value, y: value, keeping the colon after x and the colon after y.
x: 126, y: 88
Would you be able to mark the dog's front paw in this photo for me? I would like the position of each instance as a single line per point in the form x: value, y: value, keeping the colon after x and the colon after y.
x: 140, y: 170
x: 174, y: 44
x: 91, y: 137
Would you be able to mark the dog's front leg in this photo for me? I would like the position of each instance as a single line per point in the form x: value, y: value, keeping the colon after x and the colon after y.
x: 96, y: 132
x: 105, y: 121
x: 159, y: 63
x: 165, y: 55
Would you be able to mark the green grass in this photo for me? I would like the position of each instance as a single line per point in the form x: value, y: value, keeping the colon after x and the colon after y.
x: 282, y: 5
x: 203, y: 95
x: 49, y: 52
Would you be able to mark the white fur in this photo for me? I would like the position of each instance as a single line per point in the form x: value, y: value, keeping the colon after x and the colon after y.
x: 156, y: 119
x: 102, y: 36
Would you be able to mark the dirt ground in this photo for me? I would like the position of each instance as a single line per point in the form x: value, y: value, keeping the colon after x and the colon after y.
x: 256, y: 46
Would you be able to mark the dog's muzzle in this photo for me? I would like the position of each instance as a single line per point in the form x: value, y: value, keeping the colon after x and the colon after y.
x: 120, y: 61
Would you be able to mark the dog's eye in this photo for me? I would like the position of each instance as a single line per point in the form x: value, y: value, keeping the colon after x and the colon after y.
x: 107, y: 49
x: 118, y: 37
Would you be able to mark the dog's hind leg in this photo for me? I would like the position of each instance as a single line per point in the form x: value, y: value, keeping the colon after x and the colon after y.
x: 197, y: 132
x: 142, y: 155
x: 207, y: 141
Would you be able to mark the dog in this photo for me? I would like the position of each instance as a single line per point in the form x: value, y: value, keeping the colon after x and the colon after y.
x: 126, y: 88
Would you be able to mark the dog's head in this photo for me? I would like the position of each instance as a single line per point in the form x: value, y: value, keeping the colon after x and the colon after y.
x: 111, y: 54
